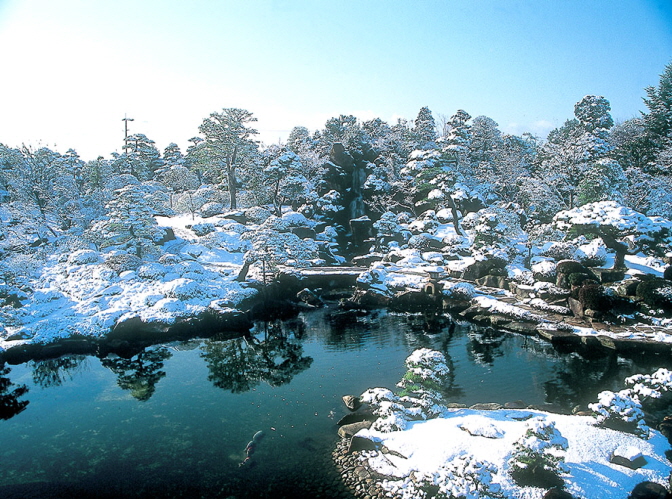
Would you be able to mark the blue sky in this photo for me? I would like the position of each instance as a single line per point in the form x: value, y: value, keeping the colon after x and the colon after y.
x: 73, y: 68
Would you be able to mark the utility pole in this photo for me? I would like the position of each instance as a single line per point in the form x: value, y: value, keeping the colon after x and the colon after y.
x: 126, y: 120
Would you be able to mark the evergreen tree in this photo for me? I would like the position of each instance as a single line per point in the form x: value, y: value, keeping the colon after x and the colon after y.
x: 299, y: 139
x: 141, y: 158
x: 457, y: 140
x: 172, y: 155
x: 425, y: 129
x: 658, y: 121
x: 486, y: 140
x: 630, y: 143
x: 577, y: 149
x: 228, y: 141
x: 129, y: 223
x: 603, y: 181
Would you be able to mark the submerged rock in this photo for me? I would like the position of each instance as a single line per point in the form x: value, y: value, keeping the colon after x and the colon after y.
x: 351, y: 402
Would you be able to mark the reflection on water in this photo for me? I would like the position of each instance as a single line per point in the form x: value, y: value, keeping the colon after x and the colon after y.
x: 139, y: 374
x: 241, y: 364
x: 10, y: 405
x: 53, y: 372
x: 174, y: 420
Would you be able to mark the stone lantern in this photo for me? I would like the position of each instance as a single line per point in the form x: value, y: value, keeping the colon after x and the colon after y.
x: 433, y: 287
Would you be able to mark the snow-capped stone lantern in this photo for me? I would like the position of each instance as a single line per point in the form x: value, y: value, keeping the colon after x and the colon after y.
x: 433, y: 287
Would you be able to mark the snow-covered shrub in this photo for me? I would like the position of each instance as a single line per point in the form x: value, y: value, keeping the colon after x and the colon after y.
x: 203, y: 229
x: 183, y: 289
x: 188, y: 267
x: 559, y: 251
x: 275, y: 224
x: 387, y: 406
x: 257, y: 214
x: 230, y: 241
x: 420, y: 241
x: 544, y: 271
x: 427, y: 222
x: 169, y: 259
x: 497, y: 225
x: 427, y: 374
x: 152, y: 271
x: 463, y: 477
x: 328, y: 234
x: 230, y: 226
x: 82, y: 257
x: 651, y: 386
x: 621, y: 410
x: 211, y: 209
x: 404, y: 217
x: 433, y: 257
x: 330, y: 204
x: 169, y: 305
x: 459, y: 291
x: 593, y: 296
x: 387, y: 225
x: 295, y: 219
x: 420, y: 397
x: 121, y: 262
x: 592, y: 254
x: 519, y: 276
x: 539, y: 454
x: 376, y: 278
x: 656, y: 293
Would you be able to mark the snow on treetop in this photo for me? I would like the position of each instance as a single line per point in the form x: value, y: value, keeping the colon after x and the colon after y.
x: 611, y: 213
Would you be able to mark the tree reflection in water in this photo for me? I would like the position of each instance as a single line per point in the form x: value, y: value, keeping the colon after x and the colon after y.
x: 10, y: 405
x: 241, y: 364
x: 485, y: 345
x: 140, y: 373
x: 53, y: 372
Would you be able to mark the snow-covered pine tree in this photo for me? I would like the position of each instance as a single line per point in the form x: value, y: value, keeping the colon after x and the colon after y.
x: 129, y: 224
x: 425, y: 129
x: 228, y: 140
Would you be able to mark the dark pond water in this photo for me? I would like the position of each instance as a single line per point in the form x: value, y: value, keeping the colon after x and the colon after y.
x: 174, y: 420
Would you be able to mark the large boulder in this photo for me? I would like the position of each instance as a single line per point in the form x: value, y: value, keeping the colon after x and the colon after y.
x: 570, y: 273
x: 369, y: 298
x: 649, y: 490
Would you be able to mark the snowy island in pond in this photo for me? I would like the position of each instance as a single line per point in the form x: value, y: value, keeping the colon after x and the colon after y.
x: 420, y: 446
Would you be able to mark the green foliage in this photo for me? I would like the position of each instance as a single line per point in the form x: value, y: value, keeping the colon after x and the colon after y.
x: 656, y: 293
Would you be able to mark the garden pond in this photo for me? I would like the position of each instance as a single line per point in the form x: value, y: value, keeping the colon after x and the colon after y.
x: 174, y: 420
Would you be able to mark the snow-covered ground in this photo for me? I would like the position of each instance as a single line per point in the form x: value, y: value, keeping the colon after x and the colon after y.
x: 442, y: 450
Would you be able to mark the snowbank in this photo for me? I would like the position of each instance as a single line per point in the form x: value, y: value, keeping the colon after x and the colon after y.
x: 487, y: 437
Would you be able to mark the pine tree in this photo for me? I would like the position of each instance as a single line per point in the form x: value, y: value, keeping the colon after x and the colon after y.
x: 227, y: 142
x: 130, y: 223
x: 658, y: 120
x: 425, y: 129
x: 457, y: 140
